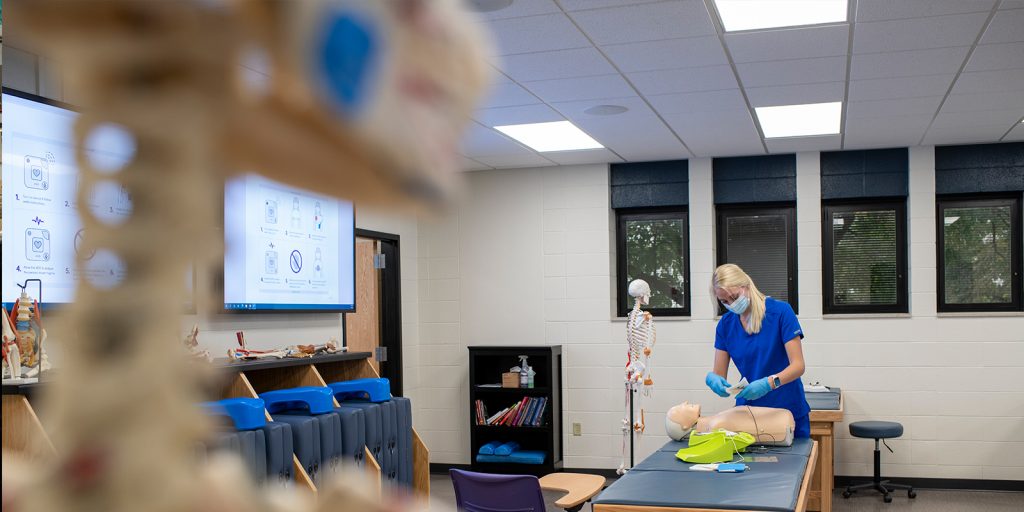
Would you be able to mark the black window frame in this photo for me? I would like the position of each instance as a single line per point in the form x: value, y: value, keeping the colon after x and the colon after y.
x: 977, y: 200
x: 788, y: 210
x: 902, y: 255
x: 623, y: 302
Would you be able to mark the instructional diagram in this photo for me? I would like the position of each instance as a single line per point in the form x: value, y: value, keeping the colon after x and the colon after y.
x: 43, y: 231
x: 294, y: 245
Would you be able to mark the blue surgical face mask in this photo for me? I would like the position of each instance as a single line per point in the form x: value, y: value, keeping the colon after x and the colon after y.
x: 739, y: 305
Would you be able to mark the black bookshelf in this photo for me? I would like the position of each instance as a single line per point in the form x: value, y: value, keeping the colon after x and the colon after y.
x: 486, y: 364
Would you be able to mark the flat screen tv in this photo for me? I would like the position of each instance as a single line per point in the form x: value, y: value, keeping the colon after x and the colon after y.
x: 42, y: 231
x: 286, y: 249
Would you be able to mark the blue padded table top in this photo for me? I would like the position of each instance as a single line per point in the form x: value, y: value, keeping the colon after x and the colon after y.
x: 661, y: 480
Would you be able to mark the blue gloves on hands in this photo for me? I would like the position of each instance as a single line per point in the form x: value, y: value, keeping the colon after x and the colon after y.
x: 756, y: 389
x: 718, y: 384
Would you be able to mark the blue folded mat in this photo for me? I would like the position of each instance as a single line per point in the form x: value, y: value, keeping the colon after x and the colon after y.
x: 506, y: 449
x: 518, y: 457
x: 488, y: 449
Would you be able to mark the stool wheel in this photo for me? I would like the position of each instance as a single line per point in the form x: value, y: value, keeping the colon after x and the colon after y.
x: 887, y: 498
x: 847, y: 494
x: 911, y: 494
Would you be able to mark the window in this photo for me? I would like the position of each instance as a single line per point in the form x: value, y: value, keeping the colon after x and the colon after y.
x: 653, y: 245
x: 864, y: 247
x: 762, y: 241
x: 979, y: 254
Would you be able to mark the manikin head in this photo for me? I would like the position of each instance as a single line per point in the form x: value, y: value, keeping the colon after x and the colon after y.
x: 680, y: 419
x: 639, y: 289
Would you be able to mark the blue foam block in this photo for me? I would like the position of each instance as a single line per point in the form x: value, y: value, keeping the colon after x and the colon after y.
x: 374, y: 390
x: 316, y: 399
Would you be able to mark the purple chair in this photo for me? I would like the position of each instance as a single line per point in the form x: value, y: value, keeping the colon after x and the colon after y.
x: 483, y: 492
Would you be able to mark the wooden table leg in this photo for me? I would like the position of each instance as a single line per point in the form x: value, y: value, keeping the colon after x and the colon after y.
x: 826, y: 470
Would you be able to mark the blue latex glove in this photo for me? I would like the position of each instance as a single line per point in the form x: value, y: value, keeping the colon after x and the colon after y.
x: 756, y: 389
x: 718, y: 384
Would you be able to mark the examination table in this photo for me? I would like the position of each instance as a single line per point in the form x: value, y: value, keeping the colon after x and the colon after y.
x: 778, y: 480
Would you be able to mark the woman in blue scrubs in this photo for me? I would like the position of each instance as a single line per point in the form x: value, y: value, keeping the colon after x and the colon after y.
x: 762, y: 336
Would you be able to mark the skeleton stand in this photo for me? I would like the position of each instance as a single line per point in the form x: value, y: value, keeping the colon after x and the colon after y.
x: 640, y: 336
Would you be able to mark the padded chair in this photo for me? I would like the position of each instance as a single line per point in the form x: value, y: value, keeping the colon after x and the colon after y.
x: 482, y: 492
x: 878, y: 430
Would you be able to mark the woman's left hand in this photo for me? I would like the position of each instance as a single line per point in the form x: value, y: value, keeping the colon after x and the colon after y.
x: 756, y: 389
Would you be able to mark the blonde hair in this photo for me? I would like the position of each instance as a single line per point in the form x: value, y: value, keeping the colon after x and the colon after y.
x: 732, y: 276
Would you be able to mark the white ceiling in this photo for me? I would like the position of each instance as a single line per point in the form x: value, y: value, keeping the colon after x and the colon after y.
x: 908, y: 72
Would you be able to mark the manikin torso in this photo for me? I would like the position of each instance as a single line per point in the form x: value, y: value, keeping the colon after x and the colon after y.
x: 768, y: 425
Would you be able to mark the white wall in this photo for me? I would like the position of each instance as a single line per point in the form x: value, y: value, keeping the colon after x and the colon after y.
x: 529, y: 259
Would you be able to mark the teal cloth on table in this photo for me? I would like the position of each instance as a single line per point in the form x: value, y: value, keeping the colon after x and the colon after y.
x: 507, y: 448
x: 488, y: 449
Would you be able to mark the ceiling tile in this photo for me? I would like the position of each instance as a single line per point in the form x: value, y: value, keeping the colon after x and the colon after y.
x: 990, y: 81
x: 979, y: 118
x: 799, y: 144
x: 508, y: 95
x: 513, y: 161
x: 982, y: 101
x: 581, y: 88
x: 885, y: 132
x: 878, y: 10
x: 468, y: 164
x: 1017, y: 133
x: 586, y: 156
x: 787, y: 72
x: 918, y: 34
x: 479, y: 140
x: 788, y: 44
x: 580, y: 5
x: 988, y: 57
x: 645, y: 22
x: 720, y: 133
x: 795, y: 94
x: 902, y: 87
x: 711, y: 78
x: 885, y: 108
x: 574, y: 110
x: 1005, y: 27
x: 707, y: 101
x: 667, y: 54
x: 557, y: 64
x: 636, y: 139
x: 966, y: 135
x: 517, y: 115
x: 536, y: 34
x: 521, y: 8
x: 1012, y: 4
x: 911, y: 63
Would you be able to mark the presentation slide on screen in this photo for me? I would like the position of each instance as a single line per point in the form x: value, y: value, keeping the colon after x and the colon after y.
x: 287, y: 248
x: 42, y: 232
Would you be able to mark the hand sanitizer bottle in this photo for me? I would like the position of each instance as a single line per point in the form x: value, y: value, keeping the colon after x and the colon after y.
x: 524, y: 373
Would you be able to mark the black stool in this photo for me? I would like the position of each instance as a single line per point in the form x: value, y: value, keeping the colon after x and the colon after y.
x: 878, y: 430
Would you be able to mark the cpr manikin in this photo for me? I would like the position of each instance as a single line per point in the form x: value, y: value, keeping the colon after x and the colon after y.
x: 640, y: 338
x: 770, y: 425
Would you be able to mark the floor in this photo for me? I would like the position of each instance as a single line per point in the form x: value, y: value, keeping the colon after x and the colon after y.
x: 931, y: 500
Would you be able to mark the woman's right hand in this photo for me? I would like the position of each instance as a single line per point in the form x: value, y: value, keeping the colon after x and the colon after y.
x: 718, y: 384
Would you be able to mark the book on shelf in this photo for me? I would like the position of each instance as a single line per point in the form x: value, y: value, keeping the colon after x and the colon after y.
x: 493, y: 419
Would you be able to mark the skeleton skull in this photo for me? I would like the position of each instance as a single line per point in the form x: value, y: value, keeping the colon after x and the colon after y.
x: 639, y: 289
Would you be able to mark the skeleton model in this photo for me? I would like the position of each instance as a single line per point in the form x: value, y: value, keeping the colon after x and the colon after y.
x: 364, y: 100
x: 292, y: 351
x: 23, y: 353
x: 11, y: 354
x: 640, y: 337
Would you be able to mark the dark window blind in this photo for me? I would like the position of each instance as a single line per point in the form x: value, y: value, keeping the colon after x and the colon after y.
x: 760, y: 245
x: 864, y: 258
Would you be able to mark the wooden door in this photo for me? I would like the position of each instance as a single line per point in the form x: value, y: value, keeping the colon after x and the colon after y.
x: 362, y: 328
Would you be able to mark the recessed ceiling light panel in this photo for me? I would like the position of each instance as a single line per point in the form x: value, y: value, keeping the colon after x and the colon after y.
x: 761, y: 14
x: 556, y: 136
x: 800, y: 120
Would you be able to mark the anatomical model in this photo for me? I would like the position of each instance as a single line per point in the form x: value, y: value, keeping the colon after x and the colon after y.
x: 29, y: 337
x: 365, y: 100
x: 292, y: 351
x: 11, y: 354
x: 769, y: 425
x: 640, y: 338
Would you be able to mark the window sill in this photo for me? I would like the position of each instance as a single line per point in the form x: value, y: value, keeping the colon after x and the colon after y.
x: 833, y: 316
x: 622, y: 319
x: 979, y: 314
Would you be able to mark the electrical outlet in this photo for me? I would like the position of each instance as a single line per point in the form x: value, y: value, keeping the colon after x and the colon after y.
x: 577, y: 430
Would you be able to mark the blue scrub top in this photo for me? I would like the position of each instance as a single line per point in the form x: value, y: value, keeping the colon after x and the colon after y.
x: 763, y: 354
